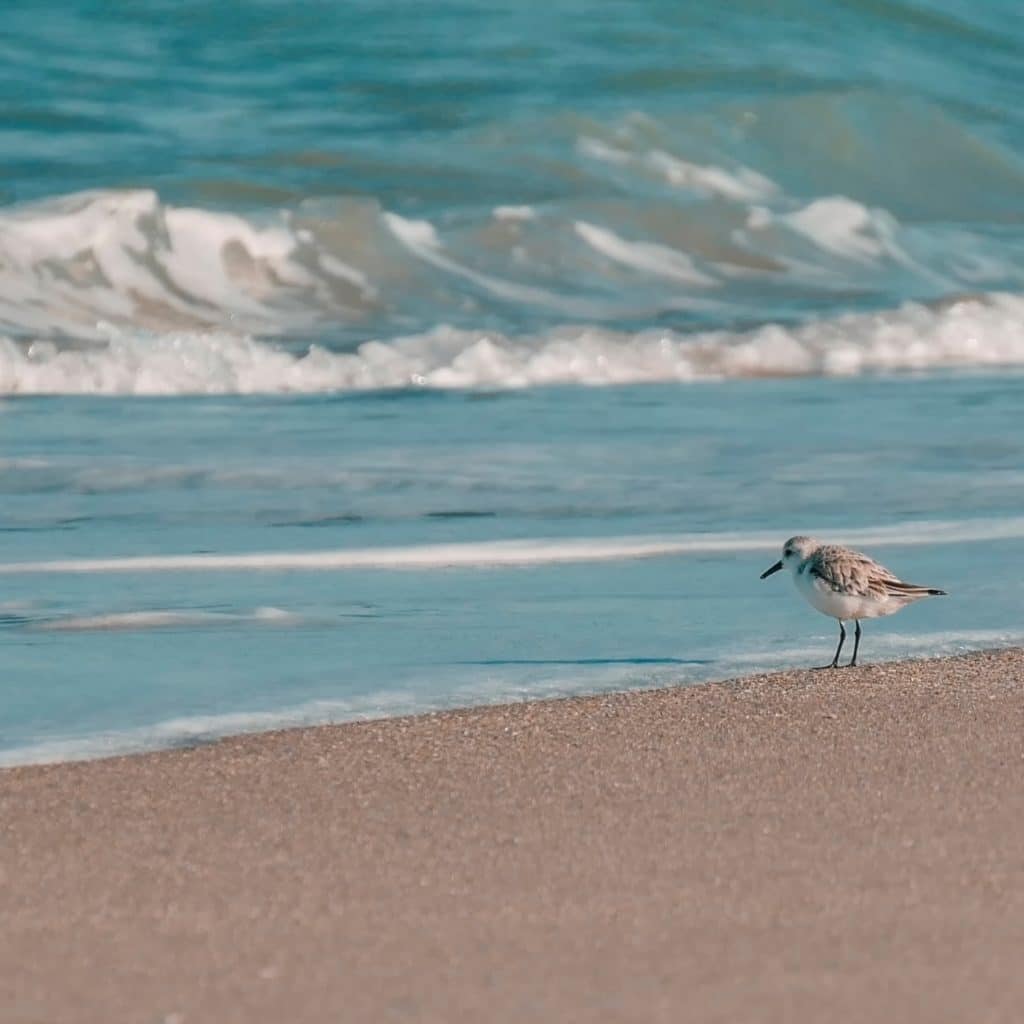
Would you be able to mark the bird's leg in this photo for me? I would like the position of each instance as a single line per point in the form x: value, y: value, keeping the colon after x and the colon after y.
x: 856, y: 644
x: 842, y: 639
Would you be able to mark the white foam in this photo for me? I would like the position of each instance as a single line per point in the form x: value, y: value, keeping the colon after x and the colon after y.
x: 164, y: 619
x: 161, y: 364
x: 979, y: 332
x: 739, y: 185
x: 195, y: 729
x: 515, y: 213
x: 645, y: 256
x: 543, y: 551
x: 414, y: 233
x: 983, y: 332
x: 124, y: 257
x: 421, y: 239
x: 485, y: 688
x: 836, y: 225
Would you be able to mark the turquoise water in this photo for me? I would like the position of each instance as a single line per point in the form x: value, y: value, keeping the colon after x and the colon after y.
x: 358, y: 359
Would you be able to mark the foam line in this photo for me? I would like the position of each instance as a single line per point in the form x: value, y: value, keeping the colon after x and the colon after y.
x: 490, y: 554
x: 191, y: 730
x: 163, y: 619
x: 984, y: 331
x: 643, y: 256
x: 421, y: 239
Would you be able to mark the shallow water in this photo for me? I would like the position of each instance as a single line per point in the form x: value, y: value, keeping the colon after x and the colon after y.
x: 356, y: 360
x: 187, y: 567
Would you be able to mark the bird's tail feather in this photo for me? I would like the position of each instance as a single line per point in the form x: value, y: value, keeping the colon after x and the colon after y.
x: 901, y: 589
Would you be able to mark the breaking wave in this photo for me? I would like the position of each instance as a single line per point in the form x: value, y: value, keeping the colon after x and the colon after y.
x: 973, y: 332
x: 645, y: 249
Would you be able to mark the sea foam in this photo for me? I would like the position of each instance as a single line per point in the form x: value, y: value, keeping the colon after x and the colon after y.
x: 971, y: 333
x: 169, y: 618
x: 497, y: 688
x: 538, y: 551
x: 72, y: 262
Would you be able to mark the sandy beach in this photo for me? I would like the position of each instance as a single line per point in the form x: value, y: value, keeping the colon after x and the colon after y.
x: 833, y: 846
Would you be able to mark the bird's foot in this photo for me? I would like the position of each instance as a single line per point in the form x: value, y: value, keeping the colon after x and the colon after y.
x: 825, y: 668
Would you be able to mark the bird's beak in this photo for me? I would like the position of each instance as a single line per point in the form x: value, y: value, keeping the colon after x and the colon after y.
x: 775, y: 568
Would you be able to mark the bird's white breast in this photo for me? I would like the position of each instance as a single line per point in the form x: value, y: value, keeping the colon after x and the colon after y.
x: 841, y: 605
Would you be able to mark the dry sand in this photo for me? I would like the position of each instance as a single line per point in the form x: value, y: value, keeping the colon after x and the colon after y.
x: 834, y: 846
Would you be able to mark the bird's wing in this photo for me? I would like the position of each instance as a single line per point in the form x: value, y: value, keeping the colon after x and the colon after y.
x: 850, y: 572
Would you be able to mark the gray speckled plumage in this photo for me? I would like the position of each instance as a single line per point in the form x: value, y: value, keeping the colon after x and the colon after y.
x: 850, y: 572
x: 845, y: 584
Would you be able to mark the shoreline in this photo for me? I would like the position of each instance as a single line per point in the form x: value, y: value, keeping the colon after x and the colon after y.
x: 65, y: 750
x: 802, y: 845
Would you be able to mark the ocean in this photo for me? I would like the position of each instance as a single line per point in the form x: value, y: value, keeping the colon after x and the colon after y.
x: 364, y: 359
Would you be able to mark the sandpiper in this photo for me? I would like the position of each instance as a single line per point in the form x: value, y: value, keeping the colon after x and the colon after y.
x: 846, y: 585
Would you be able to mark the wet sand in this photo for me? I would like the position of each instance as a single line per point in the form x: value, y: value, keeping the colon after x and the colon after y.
x: 832, y: 846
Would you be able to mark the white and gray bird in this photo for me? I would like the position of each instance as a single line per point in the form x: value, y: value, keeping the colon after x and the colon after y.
x: 846, y: 585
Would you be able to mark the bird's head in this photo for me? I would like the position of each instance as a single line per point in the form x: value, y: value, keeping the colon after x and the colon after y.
x: 794, y: 552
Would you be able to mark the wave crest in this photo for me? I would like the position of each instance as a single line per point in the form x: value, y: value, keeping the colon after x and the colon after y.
x: 127, y: 258
x: 976, y: 332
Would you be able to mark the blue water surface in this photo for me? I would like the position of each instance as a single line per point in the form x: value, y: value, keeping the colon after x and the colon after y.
x: 302, y: 307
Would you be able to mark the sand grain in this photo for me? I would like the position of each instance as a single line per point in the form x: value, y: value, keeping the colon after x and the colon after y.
x: 844, y: 846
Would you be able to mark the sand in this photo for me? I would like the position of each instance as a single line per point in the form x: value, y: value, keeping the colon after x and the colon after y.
x: 832, y: 846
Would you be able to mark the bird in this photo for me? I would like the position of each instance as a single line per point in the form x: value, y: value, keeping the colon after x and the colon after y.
x: 846, y: 585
